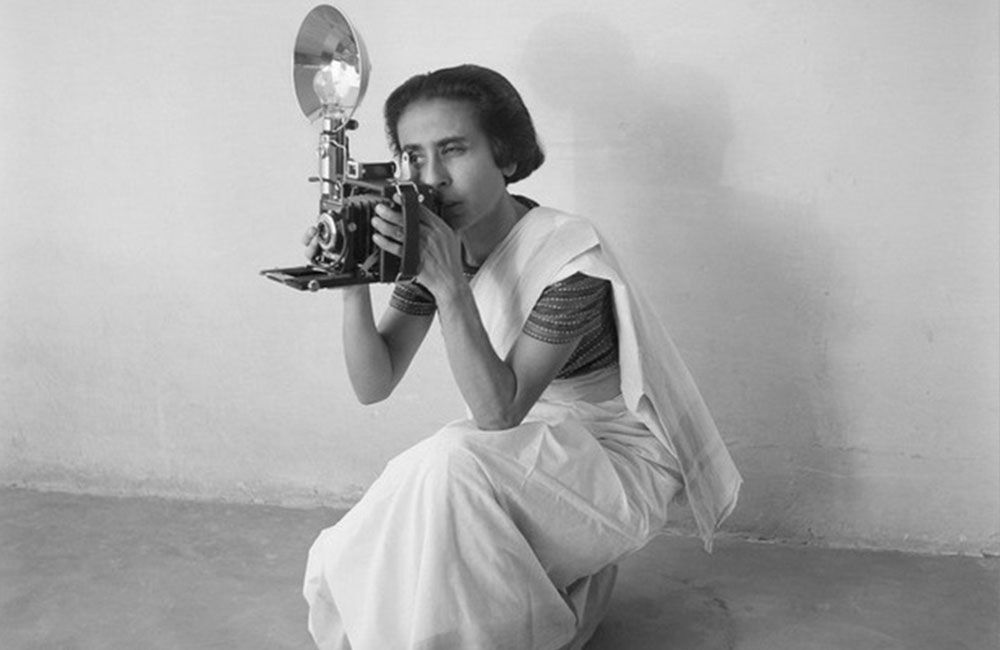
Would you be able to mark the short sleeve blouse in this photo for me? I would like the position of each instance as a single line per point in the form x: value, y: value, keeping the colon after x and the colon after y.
x: 579, y: 306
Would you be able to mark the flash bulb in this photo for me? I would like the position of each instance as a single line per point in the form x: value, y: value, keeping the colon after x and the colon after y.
x: 337, y: 84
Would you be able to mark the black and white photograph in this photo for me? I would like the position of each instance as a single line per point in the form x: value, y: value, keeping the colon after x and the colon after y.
x: 461, y: 325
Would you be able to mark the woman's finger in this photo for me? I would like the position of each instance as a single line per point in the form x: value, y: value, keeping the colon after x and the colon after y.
x: 388, y: 214
x: 388, y: 245
x: 309, y: 241
x: 388, y: 229
x: 428, y: 217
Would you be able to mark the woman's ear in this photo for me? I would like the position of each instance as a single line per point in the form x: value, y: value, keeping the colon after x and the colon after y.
x: 509, y: 170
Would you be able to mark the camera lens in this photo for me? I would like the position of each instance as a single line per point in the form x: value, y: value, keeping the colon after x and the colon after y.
x: 330, y: 239
x: 327, y: 234
x: 324, y: 235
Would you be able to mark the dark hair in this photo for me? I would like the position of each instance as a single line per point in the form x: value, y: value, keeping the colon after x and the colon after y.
x: 502, y: 114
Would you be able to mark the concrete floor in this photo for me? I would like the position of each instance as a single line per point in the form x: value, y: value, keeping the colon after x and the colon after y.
x: 80, y: 572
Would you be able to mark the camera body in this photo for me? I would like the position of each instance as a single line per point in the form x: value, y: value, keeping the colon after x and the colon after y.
x: 349, y: 191
x: 345, y: 249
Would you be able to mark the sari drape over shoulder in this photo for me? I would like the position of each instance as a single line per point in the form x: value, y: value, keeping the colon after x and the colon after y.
x: 547, y: 245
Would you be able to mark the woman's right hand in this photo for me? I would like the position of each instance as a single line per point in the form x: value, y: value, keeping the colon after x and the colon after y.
x: 311, y: 242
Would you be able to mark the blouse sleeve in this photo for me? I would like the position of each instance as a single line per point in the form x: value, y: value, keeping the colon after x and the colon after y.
x: 413, y: 299
x: 569, y: 309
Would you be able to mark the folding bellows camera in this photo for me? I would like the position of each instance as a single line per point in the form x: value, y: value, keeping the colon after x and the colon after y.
x: 330, y: 71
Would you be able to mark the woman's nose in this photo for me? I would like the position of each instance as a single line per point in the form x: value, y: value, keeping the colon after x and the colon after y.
x: 435, y: 173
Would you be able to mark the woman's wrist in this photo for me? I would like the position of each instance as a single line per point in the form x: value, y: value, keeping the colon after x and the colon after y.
x: 356, y: 292
x: 452, y: 294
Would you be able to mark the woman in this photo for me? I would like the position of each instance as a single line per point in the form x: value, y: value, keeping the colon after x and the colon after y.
x: 502, y: 530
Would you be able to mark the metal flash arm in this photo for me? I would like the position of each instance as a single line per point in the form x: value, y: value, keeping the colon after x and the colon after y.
x: 333, y: 160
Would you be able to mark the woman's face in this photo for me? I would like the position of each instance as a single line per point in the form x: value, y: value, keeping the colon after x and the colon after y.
x: 450, y: 152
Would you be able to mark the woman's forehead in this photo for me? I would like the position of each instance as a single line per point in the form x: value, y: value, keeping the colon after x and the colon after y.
x: 430, y: 120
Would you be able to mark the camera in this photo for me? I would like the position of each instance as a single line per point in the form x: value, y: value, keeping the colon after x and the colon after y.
x: 350, y: 190
x: 345, y: 252
x: 330, y: 71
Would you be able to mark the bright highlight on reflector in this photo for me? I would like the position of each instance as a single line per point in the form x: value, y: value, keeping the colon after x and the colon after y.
x: 337, y: 86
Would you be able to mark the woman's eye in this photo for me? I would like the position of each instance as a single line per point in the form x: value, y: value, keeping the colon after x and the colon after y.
x: 452, y: 150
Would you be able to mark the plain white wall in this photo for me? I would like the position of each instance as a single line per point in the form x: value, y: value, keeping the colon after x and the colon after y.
x: 808, y: 191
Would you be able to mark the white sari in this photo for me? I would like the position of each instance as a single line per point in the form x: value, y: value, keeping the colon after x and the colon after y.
x: 487, y: 540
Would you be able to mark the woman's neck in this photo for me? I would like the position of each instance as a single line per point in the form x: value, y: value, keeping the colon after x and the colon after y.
x: 486, y: 234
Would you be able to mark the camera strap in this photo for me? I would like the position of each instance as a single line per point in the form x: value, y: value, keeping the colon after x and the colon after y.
x: 411, y: 231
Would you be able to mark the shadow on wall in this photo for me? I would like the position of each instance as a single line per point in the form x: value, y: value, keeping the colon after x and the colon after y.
x: 741, y: 280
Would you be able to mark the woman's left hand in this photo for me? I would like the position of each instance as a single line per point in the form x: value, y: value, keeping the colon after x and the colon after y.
x: 440, y: 268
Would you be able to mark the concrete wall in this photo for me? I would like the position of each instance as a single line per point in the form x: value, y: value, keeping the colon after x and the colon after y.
x: 808, y: 191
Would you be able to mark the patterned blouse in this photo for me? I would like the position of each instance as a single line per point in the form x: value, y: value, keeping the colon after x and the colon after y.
x: 579, y: 306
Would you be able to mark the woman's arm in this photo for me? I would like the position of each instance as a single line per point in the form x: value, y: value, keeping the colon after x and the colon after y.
x: 377, y: 356
x: 499, y: 392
